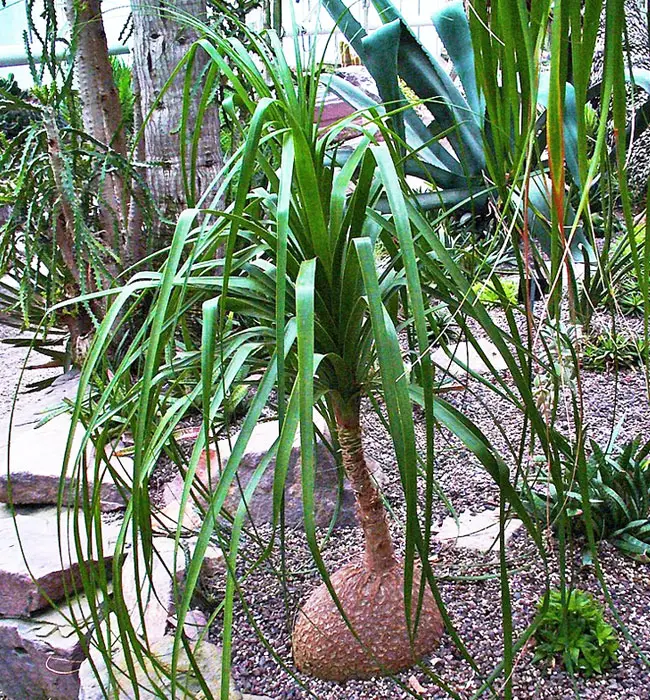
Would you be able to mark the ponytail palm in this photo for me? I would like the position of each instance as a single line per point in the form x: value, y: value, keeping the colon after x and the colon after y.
x: 307, y: 267
x: 299, y: 308
x: 310, y: 259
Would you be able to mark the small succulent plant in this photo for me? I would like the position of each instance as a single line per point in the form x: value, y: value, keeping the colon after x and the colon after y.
x: 574, y: 628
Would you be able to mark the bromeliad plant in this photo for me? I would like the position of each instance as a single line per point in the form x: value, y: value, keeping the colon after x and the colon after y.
x: 618, y: 493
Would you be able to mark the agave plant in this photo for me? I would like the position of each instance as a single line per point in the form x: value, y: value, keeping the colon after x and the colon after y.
x: 474, y: 146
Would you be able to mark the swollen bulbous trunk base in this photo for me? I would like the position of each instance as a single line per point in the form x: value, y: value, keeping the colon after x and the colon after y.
x: 324, y: 646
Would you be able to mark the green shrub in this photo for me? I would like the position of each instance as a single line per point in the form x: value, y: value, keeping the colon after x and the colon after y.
x: 13, y: 117
x: 490, y: 295
x: 631, y: 299
x: 619, y: 497
x: 585, y: 643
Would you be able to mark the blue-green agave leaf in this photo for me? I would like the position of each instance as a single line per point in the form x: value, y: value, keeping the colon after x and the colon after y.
x: 381, y: 48
x: 432, y: 160
x: 539, y: 220
x: 347, y: 24
x: 452, y: 25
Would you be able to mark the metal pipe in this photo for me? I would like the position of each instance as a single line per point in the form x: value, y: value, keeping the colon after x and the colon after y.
x: 15, y: 55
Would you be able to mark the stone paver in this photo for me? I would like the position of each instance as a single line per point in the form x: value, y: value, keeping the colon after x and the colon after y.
x: 478, y: 532
x: 50, y: 572
x: 464, y: 353
x: 35, y: 456
x: 260, y: 506
x: 39, y: 657
x: 32, y: 455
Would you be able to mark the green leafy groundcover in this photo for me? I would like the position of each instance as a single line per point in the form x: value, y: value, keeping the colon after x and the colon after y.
x: 577, y: 631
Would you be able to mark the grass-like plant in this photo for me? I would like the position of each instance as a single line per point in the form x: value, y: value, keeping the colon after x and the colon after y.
x: 314, y: 318
x: 572, y: 627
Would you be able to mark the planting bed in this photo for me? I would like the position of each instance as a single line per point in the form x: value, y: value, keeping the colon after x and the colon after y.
x: 468, y: 580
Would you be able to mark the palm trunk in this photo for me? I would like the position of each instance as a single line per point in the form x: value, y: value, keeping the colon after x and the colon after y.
x: 370, y: 591
x: 379, y: 552
x: 102, y: 112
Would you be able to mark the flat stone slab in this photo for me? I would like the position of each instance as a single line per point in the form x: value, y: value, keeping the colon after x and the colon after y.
x: 260, y: 506
x: 452, y: 359
x: 95, y: 685
x: 478, y: 532
x: 40, y: 657
x: 35, y: 456
x: 31, y: 407
x: 155, y: 593
x: 50, y: 571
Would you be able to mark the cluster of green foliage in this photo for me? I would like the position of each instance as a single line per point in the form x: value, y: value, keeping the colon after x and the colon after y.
x: 52, y: 174
x: 572, y: 627
x: 123, y: 78
x: 612, y: 349
x: 613, y: 498
x: 620, y: 281
x: 497, y: 291
x: 631, y: 299
x: 444, y: 329
x: 13, y: 121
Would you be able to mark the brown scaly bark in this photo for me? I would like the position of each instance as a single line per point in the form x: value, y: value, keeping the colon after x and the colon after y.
x: 379, y: 551
x: 370, y: 591
x: 159, y: 43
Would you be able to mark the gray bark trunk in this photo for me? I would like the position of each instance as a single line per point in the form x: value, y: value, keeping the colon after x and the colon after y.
x: 160, y: 42
x: 638, y: 53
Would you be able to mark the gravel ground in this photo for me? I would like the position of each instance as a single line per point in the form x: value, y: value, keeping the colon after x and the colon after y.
x: 474, y: 605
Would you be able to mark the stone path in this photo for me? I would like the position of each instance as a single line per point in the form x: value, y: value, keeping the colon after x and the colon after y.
x: 41, y: 652
x: 479, y: 532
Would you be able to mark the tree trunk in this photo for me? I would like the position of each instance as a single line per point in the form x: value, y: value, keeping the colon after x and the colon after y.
x: 160, y: 42
x: 379, y: 551
x: 102, y: 112
x: 370, y: 591
x: 637, y: 49
x: 79, y: 323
